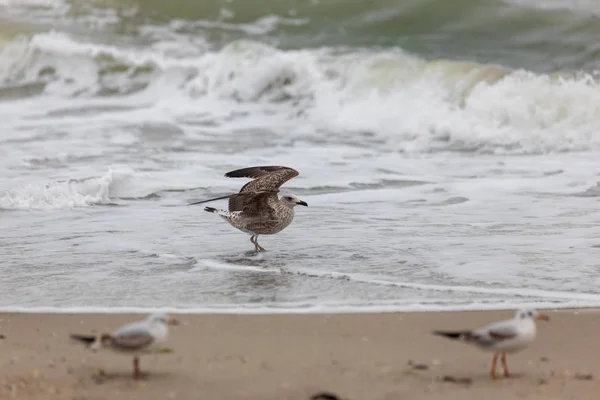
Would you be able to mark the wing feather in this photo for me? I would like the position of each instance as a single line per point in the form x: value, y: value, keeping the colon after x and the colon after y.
x: 265, y: 178
x: 252, y: 204
x: 133, y: 336
x: 132, y: 341
x: 501, y: 335
x: 499, y: 331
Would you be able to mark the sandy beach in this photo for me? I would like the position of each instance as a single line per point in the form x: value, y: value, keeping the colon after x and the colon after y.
x: 356, y: 356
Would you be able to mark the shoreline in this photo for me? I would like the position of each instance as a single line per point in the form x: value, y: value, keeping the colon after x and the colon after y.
x: 315, y: 310
x: 359, y: 356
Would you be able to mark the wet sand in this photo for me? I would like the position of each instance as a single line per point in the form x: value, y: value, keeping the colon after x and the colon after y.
x: 356, y: 356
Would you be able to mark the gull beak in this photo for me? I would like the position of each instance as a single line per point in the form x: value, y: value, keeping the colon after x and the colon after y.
x: 302, y: 203
x: 544, y: 317
x: 172, y: 321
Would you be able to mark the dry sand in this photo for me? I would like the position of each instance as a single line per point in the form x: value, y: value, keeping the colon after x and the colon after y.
x: 356, y: 356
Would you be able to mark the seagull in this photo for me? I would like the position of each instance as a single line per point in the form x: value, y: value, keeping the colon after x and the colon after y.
x: 256, y: 209
x: 509, y: 336
x: 135, y: 338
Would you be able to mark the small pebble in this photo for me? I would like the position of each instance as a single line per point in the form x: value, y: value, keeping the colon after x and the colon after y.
x: 544, y: 359
x: 324, y: 396
x: 584, y: 377
x: 568, y: 373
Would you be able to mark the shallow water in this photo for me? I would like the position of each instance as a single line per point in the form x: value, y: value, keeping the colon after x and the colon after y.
x: 447, y: 162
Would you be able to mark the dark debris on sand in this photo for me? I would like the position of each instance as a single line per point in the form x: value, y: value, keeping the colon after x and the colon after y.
x: 452, y: 379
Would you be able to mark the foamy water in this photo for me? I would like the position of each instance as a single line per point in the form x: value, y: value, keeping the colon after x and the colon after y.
x: 433, y: 181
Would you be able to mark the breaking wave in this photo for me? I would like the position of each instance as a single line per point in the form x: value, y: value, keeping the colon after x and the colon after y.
x: 408, y: 103
x: 99, y: 190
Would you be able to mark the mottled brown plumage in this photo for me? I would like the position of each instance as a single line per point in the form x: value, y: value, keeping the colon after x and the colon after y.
x: 265, y: 178
x: 257, y: 209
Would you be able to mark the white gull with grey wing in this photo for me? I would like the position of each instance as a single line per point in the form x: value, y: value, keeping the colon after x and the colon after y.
x: 503, y: 337
x: 136, y: 338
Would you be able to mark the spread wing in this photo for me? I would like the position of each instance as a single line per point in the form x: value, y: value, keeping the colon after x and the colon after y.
x: 265, y: 178
x: 252, y: 203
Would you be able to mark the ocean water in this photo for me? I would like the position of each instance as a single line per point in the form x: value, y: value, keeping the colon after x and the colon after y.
x: 449, y: 153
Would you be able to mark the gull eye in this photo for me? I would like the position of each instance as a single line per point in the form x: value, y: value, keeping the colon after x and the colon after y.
x: 530, y: 314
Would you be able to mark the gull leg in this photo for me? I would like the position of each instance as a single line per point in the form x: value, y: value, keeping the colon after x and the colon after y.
x: 504, y: 365
x: 259, y: 247
x: 136, y: 368
x: 493, y: 370
x: 253, y: 240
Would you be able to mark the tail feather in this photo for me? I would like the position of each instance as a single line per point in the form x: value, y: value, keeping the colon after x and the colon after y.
x: 222, y: 213
x: 455, y: 335
x: 87, y: 339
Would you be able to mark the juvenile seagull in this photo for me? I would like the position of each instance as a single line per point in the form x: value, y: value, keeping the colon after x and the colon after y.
x: 136, y: 338
x: 256, y: 209
x: 509, y: 336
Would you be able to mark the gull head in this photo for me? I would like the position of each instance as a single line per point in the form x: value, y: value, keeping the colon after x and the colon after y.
x: 530, y: 314
x: 292, y: 201
x: 162, y: 319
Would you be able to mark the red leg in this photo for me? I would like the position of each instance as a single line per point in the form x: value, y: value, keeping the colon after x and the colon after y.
x: 505, y: 366
x: 136, y: 368
x: 493, y: 370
